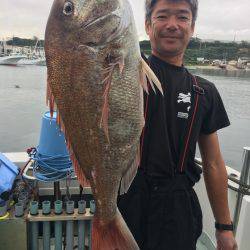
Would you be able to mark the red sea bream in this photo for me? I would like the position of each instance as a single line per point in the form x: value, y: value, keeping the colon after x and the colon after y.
x: 96, y: 78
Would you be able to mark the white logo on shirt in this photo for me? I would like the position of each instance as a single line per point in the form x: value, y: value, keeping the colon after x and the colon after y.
x: 183, y: 98
x: 182, y: 115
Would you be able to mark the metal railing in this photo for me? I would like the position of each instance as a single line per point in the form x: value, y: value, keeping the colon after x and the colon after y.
x: 242, y: 186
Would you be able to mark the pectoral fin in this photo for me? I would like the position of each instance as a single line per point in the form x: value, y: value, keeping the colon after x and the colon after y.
x: 146, y: 73
x: 108, y: 73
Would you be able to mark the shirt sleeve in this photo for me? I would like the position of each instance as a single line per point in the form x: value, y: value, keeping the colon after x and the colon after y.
x: 216, y: 117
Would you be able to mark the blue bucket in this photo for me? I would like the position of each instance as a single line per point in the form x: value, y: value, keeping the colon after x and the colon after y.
x: 52, y: 159
x: 8, y: 173
x: 52, y: 139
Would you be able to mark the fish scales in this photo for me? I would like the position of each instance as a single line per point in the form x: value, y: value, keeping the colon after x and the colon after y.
x: 94, y: 72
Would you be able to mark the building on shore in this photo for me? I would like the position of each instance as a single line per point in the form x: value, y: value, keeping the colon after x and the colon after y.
x: 243, y: 63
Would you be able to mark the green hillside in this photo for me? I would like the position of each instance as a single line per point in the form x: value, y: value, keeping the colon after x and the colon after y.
x: 209, y: 50
x: 196, y: 48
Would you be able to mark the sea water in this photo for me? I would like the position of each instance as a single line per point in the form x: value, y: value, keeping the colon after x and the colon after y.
x: 22, y: 104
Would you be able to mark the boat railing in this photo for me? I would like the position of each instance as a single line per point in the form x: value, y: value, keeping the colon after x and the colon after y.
x: 240, y: 185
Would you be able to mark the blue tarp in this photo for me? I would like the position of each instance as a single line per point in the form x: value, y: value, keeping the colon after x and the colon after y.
x: 8, y: 173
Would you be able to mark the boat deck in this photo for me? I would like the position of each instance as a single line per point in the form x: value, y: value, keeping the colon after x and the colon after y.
x: 207, y: 240
x: 201, y: 246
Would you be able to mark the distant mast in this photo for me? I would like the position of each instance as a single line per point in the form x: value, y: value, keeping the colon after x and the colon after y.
x: 235, y: 36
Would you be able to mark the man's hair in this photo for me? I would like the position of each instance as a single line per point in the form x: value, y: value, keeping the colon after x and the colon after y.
x: 150, y: 4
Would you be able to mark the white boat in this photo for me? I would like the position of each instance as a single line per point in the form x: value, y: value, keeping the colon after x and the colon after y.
x: 41, y: 61
x: 26, y: 227
x: 36, y: 57
x: 11, y: 59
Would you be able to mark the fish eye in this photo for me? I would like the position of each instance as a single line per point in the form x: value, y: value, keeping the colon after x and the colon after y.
x: 68, y: 8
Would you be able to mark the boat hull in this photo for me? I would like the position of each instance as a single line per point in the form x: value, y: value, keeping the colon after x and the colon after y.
x: 38, y: 61
x: 11, y: 60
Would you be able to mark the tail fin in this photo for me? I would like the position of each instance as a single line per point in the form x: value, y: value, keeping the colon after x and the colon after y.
x: 113, y: 236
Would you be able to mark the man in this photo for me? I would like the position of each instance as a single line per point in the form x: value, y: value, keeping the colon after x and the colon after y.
x: 161, y: 207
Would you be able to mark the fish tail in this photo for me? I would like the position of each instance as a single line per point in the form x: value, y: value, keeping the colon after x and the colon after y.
x: 112, y: 236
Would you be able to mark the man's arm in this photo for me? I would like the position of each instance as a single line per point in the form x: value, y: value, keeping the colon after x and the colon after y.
x: 216, y: 181
x: 215, y: 176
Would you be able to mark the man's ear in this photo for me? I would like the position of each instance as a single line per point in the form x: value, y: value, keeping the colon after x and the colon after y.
x: 147, y: 26
x: 192, y: 28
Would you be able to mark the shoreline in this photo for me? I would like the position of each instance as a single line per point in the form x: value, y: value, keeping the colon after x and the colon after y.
x: 211, y: 67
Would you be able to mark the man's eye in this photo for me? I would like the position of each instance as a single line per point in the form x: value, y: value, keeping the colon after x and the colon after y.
x: 183, y: 18
x: 161, y: 17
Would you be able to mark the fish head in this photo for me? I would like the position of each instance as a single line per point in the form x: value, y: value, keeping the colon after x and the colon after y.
x: 85, y: 22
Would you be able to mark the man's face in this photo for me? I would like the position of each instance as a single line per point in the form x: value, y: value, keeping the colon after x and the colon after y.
x: 171, y: 27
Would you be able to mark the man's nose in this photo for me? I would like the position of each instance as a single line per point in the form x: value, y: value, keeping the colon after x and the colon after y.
x: 172, y: 23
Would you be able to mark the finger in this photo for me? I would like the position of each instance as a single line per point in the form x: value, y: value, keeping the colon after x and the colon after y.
x: 219, y: 246
x: 235, y: 247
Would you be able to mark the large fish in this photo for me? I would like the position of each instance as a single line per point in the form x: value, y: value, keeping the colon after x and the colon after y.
x: 95, y: 80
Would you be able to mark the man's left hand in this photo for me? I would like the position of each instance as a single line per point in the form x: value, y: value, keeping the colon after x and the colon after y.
x: 225, y: 240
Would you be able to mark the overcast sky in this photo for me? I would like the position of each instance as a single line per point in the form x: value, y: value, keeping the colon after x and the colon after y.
x: 217, y: 19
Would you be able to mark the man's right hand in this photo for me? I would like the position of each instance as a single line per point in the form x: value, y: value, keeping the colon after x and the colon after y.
x: 225, y: 240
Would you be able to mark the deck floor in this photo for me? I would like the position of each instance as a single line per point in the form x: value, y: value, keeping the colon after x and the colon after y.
x: 201, y: 246
x: 205, y: 243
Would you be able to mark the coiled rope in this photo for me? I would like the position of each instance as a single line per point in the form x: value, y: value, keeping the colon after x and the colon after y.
x: 51, y: 168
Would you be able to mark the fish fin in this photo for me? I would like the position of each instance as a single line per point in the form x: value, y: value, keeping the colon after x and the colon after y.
x: 145, y: 70
x: 143, y: 79
x: 112, y: 236
x: 121, y: 64
x: 130, y: 174
x: 50, y: 100
x: 105, y: 108
x: 78, y: 170
x: 108, y: 72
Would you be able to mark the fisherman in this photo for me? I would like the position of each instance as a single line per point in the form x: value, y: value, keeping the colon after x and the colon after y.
x: 161, y: 207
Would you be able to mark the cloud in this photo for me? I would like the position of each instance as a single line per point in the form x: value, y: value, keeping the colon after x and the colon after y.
x: 24, y: 18
x: 223, y: 19
x: 216, y: 19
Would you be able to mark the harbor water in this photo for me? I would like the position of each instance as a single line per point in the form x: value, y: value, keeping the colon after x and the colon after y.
x: 22, y: 104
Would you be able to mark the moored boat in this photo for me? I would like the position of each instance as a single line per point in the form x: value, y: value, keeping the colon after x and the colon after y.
x: 11, y: 59
x: 41, y: 61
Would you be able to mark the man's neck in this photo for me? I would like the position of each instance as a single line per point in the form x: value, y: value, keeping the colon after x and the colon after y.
x: 174, y: 60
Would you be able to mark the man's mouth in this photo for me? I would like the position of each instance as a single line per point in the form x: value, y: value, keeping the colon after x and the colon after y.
x: 170, y: 37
